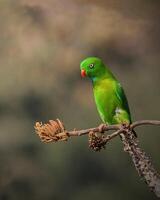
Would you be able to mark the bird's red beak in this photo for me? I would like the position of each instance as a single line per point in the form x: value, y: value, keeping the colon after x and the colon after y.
x: 83, y: 73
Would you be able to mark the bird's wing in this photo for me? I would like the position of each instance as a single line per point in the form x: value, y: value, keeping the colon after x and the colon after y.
x: 122, y: 98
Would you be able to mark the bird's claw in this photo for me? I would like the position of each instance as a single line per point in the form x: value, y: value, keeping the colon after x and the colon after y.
x: 125, y: 125
x: 101, y: 128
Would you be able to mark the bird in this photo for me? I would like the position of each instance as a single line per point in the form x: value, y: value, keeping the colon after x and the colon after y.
x: 110, y: 98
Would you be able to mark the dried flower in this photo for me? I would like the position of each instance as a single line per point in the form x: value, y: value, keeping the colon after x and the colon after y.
x: 51, y: 132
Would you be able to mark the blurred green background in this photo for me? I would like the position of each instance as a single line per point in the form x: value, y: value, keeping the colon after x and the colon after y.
x: 41, y: 46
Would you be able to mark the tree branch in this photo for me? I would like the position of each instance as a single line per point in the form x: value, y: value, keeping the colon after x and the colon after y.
x: 55, y: 131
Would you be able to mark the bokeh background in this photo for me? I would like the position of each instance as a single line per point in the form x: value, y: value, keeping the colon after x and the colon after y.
x: 41, y: 46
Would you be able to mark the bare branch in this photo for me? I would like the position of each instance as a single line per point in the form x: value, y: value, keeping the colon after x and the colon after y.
x: 55, y: 131
x: 145, y: 122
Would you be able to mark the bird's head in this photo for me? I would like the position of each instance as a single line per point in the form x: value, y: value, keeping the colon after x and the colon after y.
x: 92, y: 67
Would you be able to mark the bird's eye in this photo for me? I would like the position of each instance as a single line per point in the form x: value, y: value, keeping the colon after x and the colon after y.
x: 91, y: 65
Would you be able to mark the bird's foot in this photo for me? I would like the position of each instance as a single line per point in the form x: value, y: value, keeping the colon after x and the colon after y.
x: 101, y: 128
x: 125, y: 125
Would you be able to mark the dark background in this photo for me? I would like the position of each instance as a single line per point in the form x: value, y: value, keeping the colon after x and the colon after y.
x: 41, y: 46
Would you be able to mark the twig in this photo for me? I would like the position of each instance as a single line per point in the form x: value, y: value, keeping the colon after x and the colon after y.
x: 55, y: 131
x: 52, y: 130
x: 145, y: 122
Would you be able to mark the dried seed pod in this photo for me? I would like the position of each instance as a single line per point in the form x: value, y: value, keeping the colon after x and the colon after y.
x: 96, y: 142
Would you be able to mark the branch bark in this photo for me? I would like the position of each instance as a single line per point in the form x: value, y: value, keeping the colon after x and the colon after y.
x: 55, y: 131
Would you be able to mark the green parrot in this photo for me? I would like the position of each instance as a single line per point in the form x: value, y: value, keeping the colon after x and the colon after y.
x: 109, y: 95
